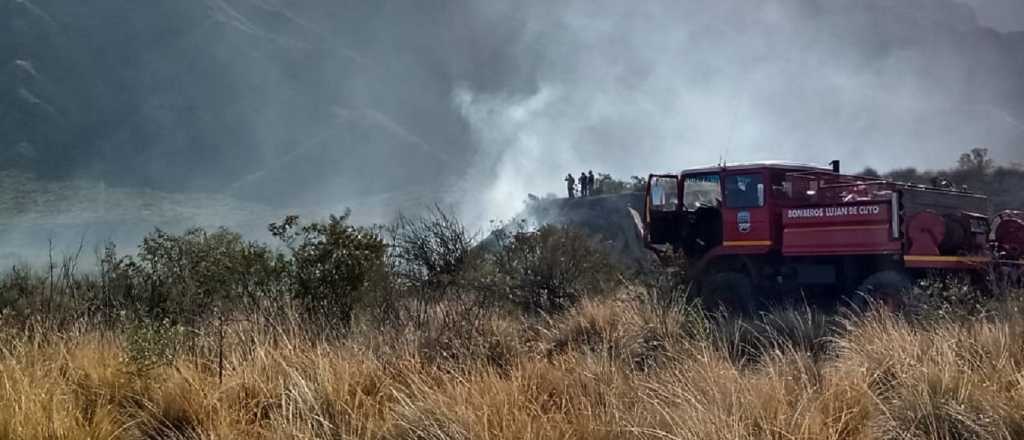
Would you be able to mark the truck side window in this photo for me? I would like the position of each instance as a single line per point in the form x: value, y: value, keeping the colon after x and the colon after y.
x: 744, y: 191
x: 780, y: 186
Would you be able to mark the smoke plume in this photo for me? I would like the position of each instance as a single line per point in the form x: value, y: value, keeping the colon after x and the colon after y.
x: 316, y: 105
x: 662, y: 85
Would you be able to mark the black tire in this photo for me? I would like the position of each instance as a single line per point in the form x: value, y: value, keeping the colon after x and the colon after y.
x: 732, y: 291
x: 886, y: 288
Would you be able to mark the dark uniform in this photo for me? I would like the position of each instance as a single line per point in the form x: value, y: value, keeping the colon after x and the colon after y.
x: 570, y: 186
x: 590, y: 182
x: 583, y: 185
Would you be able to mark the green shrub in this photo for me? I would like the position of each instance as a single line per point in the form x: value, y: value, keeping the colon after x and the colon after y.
x: 551, y: 269
x: 331, y: 265
x: 606, y: 184
x: 978, y: 173
x: 151, y: 344
x: 185, y: 277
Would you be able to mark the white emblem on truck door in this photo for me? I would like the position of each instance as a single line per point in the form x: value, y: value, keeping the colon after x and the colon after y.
x: 743, y: 221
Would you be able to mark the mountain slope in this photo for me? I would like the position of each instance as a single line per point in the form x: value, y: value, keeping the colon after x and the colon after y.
x: 287, y: 100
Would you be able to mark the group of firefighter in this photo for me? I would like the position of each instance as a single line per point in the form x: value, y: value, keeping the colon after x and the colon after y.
x: 586, y: 184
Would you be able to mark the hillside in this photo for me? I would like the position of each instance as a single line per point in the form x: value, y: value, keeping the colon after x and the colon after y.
x: 606, y: 217
x: 195, y: 95
x: 284, y: 101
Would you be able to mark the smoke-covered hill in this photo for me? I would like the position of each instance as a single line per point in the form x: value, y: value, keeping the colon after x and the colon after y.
x: 606, y: 218
x: 199, y: 94
x: 284, y: 98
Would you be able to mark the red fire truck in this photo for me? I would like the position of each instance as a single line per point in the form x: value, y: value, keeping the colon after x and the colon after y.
x: 777, y: 228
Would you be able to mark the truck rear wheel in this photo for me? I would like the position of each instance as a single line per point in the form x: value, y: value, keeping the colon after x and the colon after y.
x: 730, y: 290
x: 887, y: 288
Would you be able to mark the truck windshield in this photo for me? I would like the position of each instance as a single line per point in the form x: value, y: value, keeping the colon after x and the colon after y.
x: 664, y: 193
x: 702, y: 191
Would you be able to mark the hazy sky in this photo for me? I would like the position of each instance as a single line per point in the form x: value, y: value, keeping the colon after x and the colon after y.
x: 379, y: 104
x: 1004, y: 15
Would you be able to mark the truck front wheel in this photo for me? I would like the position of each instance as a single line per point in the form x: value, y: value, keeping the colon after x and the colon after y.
x: 732, y: 291
x: 887, y: 288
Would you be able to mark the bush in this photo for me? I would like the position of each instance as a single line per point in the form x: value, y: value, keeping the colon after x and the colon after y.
x: 179, y: 278
x: 188, y: 276
x: 606, y: 184
x: 976, y: 171
x: 152, y: 344
x: 24, y: 297
x: 551, y: 269
x: 331, y: 264
x: 430, y: 251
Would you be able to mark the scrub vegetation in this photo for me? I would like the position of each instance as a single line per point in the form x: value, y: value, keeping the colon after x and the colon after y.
x: 411, y: 331
x: 976, y: 172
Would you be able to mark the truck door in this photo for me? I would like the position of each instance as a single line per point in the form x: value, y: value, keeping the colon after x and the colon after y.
x: 662, y: 210
x: 746, y: 218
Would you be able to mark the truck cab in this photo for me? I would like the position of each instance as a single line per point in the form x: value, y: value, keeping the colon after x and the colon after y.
x: 735, y: 207
x: 728, y: 221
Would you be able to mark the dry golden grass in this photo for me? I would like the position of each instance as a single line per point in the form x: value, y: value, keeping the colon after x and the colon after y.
x: 608, y: 369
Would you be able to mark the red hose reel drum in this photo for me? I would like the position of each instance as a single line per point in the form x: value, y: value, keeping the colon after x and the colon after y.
x: 926, y: 231
x: 1009, y: 233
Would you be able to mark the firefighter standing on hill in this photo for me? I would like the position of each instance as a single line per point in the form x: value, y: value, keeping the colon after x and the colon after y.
x: 570, y: 186
x: 584, y: 189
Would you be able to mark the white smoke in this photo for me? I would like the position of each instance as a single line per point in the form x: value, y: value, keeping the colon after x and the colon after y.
x: 634, y: 88
x: 515, y: 135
